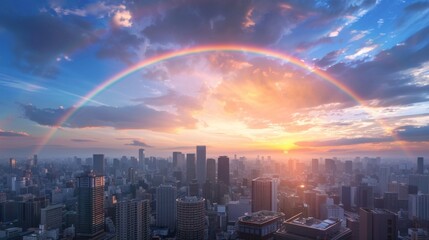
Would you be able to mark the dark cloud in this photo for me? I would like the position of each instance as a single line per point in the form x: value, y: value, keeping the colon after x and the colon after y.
x: 382, y: 78
x: 328, y: 59
x: 4, y: 133
x: 120, y: 44
x: 343, y: 142
x: 40, y: 39
x: 137, y: 143
x: 417, y: 6
x: 80, y: 140
x: 413, y: 133
x: 127, y: 117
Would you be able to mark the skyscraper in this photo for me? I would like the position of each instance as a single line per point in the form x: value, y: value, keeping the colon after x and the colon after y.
x: 52, y: 217
x: 377, y: 224
x: 201, y: 165
x: 264, y: 194
x: 348, y: 168
x: 141, y: 156
x: 315, y: 165
x: 90, y: 211
x: 133, y: 220
x: 223, y: 170
x: 211, y: 170
x: 98, y: 164
x: 190, y: 218
x: 166, y: 207
x: 420, y: 165
x: 176, y: 159
x: 190, y: 167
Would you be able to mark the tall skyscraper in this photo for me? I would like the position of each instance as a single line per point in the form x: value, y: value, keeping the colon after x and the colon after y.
x: 90, y: 203
x: 190, y: 167
x: 201, y: 165
x: 133, y: 220
x: 346, y: 197
x: 176, y: 159
x: 12, y: 163
x: 223, y: 170
x: 166, y: 207
x: 98, y: 164
x: 348, y: 167
x: 420, y: 165
x: 377, y: 224
x: 211, y: 170
x: 190, y: 218
x: 264, y: 194
x: 315, y: 165
x: 141, y: 156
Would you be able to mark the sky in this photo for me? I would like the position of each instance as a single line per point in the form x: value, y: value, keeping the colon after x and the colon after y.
x: 324, y: 78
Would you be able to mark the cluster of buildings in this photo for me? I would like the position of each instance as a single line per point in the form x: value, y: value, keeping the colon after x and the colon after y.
x: 192, y: 196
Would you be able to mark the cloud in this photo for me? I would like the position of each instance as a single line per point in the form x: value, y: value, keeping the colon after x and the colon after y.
x: 382, y: 77
x: 137, y: 143
x: 4, y: 133
x: 328, y: 59
x: 12, y: 82
x: 122, y: 18
x: 172, y: 98
x: 343, y: 142
x: 361, y: 52
x: 126, y: 117
x: 120, y: 44
x: 417, y: 6
x: 40, y: 39
x: 80, y: 140
x: 413, y: 133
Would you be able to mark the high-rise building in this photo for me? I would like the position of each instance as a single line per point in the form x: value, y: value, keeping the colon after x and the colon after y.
x: 365, y: 196
x: 190, y: 218
x: 418, y: 207
x: 421, y: 181
x: 201, y: 165
x: 28, y: 211
x: 133, y: 220
x: 12, y: 163
x: 348, y: 167
x: 90, y: 209
x: 390, y: 201
x: 377, y: 224
x: 264, y: 194
x: 176, y: 159
x: 420, y: 165
x: 51, y: 217
x: 166, y: 207
x: 315, y: 165
x: 141, y: 156
x: 211, y: 170
x: 190, y: 167
x: 98, y: 164
x: 346, y: 197
x: 35, y: 159
x: 223, y: 170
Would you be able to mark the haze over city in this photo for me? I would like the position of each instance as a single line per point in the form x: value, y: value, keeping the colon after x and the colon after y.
x: 287, y: 79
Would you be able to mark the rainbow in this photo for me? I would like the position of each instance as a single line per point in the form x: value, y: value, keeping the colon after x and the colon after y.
x: 191, y: 51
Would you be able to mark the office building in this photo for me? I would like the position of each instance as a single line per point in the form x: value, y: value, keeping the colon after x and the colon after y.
x: 315, y: 165
x: 348, y: 167
x: 166, y: 207
x: 176, y: 159
x: 264, y: 194
x: 376, y: 224
x: 90, y: 209
x: 12, y: 163
x: 420, y: 165
x: 190, y: 218
x: 133, y: 220
x: 418, y: 207
x: 211, y: 170
x: 259, y: 225
x: 52, y: 217
x: 141, y: 156
x: 98, y: 164
x: 421, y: 181
x: 223, y: 170
x: 346, y: 197
x: 190, y: 167
x: 301, y: 228
x: 201, y: 165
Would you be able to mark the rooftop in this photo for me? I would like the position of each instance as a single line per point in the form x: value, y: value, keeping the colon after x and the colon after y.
x: 314, y: 223
x: 261, y: 217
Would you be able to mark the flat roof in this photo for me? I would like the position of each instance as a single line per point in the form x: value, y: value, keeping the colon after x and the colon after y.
x: 261, y: 217
x: 314, y: 223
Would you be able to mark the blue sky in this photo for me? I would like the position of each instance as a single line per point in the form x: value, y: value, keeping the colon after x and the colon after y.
x: 55, y: 52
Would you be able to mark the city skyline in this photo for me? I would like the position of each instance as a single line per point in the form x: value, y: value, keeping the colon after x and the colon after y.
x: 285, y: 79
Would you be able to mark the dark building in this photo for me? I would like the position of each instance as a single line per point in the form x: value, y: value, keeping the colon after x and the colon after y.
x: 201, y: 165
x: 420, y: 165
x: 176, y: 158
x: 365, y: 196
x: 90, y: 206
x: 190, y: 167
x: 346, y: 197
x: 29, y: 212
x: 98, y: 163
x: 377, y: 224
x: 315, y: 165
x: 264, y: 194
x: 211, y: 170
x: 223, y: 170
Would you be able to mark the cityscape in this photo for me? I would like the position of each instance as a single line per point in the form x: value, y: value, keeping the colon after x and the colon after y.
x: 214, y: 120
